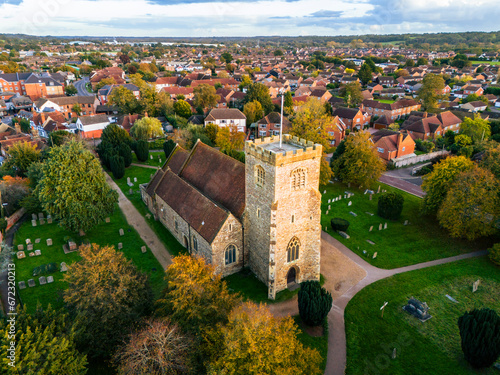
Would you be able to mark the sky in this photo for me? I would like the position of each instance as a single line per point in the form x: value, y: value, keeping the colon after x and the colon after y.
x: 201, y: 18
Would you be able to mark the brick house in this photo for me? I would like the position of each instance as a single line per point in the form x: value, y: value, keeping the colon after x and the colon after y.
x: 336, y: 131
x: 392, y: 111
x: 353, y: 117
x: 92, y: 126
x: 270, y: 125
x: 227, y: 117
x: 391, y: 145
x: 88, y: 105
x: 421, y: 126
x: 113, y: 72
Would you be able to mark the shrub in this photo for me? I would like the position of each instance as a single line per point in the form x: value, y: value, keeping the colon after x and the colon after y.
x: 142, y: 150
x: 157, y: 144
x: 390, y: 206
x: 480, y: 334
x: 339, y: 224
x: 168, y: 147
x: 3, y: 224
x: 494, y: 254
x: 117, y: 166
x: 45, y: 269
x: 126, y: 153
x: 315, y: 303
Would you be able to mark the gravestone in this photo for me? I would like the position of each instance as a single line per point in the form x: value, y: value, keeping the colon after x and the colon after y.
x: 64, y: 267
x: 371, y: 196
x: 148, y: 216
x: 40, y: 215
x: 385, y: 225
x: 49, y: 219
x: 394, y: 353
x: 345, y: 196
x: 130, y: 192
x: 368, y: 213
x: 49, y: 241
x: 353, y: 214
x: 72, y: 245
x: 451, y: 298
x: 349, y: 184
x: 120, y: 245
x: 324, y: 191
x: 107, y: 220
x: 143, y: 249
x: 418, y: 309
x: 38, y: 252
x: 121, y: 232
x: 350, y: 203
x: 42, y: 280
x: 20, y: 247
x: 37, y: 240
x: 135, y: 179
x: 371, y: 228
x: 329, y: 201
x: 380, y: 226
x: 128, y: 180
x: 20, y: 255
x: 344, y: 234
x: 151, y: 157
x: 370, y: 242
x: 33, y: 217
x: 32, y: 254
x: 22, y: 285
x: 29, y: 247
x: 33, y: 223
x: 475, y: 286
x: 378, y: 190
x: 42, y: 221
x: 375, y: 255
x: 329, y: 207
x: 406, y: 222
x: 340, y: 197
x: 81, y: 233
x: 50, y: 279
x: 31, y: 283
x: 28, y: 241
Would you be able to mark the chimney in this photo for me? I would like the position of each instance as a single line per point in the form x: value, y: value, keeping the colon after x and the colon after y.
x: 398, y: 144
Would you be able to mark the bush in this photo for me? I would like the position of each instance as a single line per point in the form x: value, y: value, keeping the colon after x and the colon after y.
x: 157, y: 144
x: 168, y: 147
x: 126, y: 153
x: 315, y: 303
x: 339, y: 224
x: 142, y: 150
x: 45, y: 269
x: 3, y: 224
x: 480, y: 334
x: 117, y: 166
x: 494, y: 254
x: 390, y: 206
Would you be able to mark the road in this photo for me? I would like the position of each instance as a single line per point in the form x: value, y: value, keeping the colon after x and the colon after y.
x: 80, y: 87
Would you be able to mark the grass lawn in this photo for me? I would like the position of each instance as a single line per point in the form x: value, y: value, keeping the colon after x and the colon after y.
x: 387, y: 101
x: 432, y: 347
x: 104, y: 234
x: 143, y: 176
x: 486, y: 62
x: 319, y: 343
x: 398, y: 245
x: 155, y: 162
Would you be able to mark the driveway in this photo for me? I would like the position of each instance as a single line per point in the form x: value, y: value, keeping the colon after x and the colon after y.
x: 403, y: 179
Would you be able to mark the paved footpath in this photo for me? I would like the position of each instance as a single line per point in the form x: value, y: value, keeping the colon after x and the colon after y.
x: 402, y: 185
x: 135, y: 219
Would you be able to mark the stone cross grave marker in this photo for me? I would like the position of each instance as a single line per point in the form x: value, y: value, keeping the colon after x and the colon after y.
x: 49, y: 241
x: 31, y: 283
x: 50, y: 279
x: 121, y: 232
x: 22, y: 285
x: 143, y: 249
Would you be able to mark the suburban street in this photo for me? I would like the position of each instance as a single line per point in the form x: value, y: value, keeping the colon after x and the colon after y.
x: 80, y: 87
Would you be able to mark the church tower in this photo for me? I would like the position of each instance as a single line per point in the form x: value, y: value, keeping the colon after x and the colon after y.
x: 283, y: 211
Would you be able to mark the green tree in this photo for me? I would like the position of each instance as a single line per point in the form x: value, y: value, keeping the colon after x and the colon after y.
x: 288, y: 103
x: 73, y: 188
x: 390, y: 205
x: 147, y: 128
x: 106, y: 295
x: 477, y: 129
x: 142, y: 150
x: 436, y: 184
x: 352, y: 94
x: 70, y: 90
x: 20, y: 156
x: 226, y: 57
x: 472, y: 205
x: 431, y: 91
x: 314, y: 302
x: 253, y: 111
x: 480, y: 337
x: 365, y: 74
x: 245, y: 81
x: 205, y: 96
x: 58, y: 137
x: 117, y: 165
x: 168, y: 147
x: 494, y: 254
x: 278, y: 52
x: 359, y: 163
x: 115, y: 135
x: 211, y: 132
x: 125, y: 100
x: 422, y: 61
x: 105, y: 81
x: 254, y: 342
x: 77, y: 108
x: 182, y: 108
x: 491, y: 161
x: 260, y: 93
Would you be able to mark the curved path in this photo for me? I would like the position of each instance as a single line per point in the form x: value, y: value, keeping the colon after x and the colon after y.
x: 135, y: 219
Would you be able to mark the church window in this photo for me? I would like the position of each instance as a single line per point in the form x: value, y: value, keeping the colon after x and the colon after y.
x: 195, y: 244
x: 176, y: 225
x: 230, y: 254
x: 293, y: 249
x: 258, y: 212
x: 260, y: 175
x: 293, y: 219
x: 230, y: 227
x: 298, y: 179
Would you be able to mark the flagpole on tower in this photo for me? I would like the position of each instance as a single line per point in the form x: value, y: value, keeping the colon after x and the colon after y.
x: 281, y: 123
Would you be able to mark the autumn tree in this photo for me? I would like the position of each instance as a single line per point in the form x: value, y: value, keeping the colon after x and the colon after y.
x: 105, y: 81
x: 20, y: 156
x: 211, y: 132
x: 311, y: 122
x: 182, y: 108
x: 195, y: 297
x: 147, y: 128
x: 254, y: 342
x: 70, y: 90
x: 73, y: 188
x: 106, y: 294
x: 431, y: 92
x: 253, y: 111
x: 359, y: 164
x: 352, y: 94
x: 158, y: 347
x: 436, y: 184
x: 491, y: 161
x: 477, y: 129
x: 260, y: 92
x: 125, y: 100
x: 205, y: 96
x: 472, y: 205
x: 228, y: 139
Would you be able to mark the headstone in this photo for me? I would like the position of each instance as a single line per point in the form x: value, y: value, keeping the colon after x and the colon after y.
x: 345, y: 196
x: 451, y: 298
x: 121, y: 232
x: 369, y: 213
x: 130, y: 191
x: 33, y: 223
x: 349, y: 184
x: 33, y: 217
x: 49, y: 219
x: 353, y: 214
x: 40, y: 215
x: 151, y: 157
x: 394, y: 353
x: 380, y: 226
x: 370, y: 242
x: 81, y: 233
x: 50, y: 279
x: 38, y: 252
x: 28, y: 241
x: 364, y: 252
x: 42, y: 280
x: 31, y: 283
x: 72, y: 245
x: 378, y: 190
x: 371, y: 228
x: 29, y: 247
x: 340, y: 197
x: 128, y: 180
x: 107, y: 220
x: 329, y: 207
x: 418, y: 309
x: 22, y: 285
x: 371, y: 196
x: 20, y: 255
x: 143, y: 249
x: 32, y: 254
x: 20, y: 247
x: 344, y: 234
x: 64, y: 267
x: 406, y: 222
x: 120, y: 245
x: 329, y: 201
x: 49, y: 241
x: 350, y: 203
x: 148, y: 216
x: 42, y: 221
x: 135, y: 179
x: 37, y: 240
x: 385, y: 225
x: 324, y: 191
x: 374, y: 255
x: 475, y: 286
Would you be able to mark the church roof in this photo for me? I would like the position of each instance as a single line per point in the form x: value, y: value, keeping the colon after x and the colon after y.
x: 176, y: 159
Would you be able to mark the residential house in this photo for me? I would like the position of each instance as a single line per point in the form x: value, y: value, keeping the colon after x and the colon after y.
x: 271, y: 124
x: 474, y: 106
x: 92, y: 126
x: 392, y: 111
x: 473, y: 89
x: 104, y: 93
x: 353, y: 117
x: 422, y: 126
x: 388, y: 81
x: 226, y: 118
x: 391, y: 145
x: 113, y: 72
x: 336, y: 130
x: 67, y: 104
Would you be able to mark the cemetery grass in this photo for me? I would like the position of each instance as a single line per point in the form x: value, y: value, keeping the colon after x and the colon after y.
x: 319, y: 343
x: 153, y: 163
x: 103, y: 234
x: 432, y: 347
x: 143, y: 176
x: 398, y: 245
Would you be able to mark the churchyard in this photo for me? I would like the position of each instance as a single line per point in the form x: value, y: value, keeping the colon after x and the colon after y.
x: 155, y: 159
x: 48, y: 240
x: 432, y: 347
x: 384, y: 243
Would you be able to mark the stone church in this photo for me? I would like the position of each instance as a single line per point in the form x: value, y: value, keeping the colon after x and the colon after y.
x: 264, y: 214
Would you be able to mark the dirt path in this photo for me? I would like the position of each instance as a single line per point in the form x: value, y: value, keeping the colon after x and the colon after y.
x: 135, y: 219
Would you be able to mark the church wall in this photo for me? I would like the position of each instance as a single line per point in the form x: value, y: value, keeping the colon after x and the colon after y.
x: 231, y: 233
